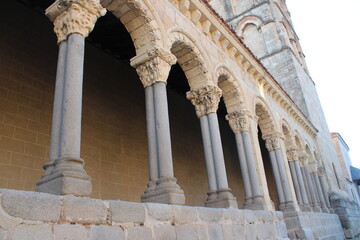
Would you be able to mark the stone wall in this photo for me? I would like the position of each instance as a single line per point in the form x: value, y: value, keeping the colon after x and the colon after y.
x: 30, y: 215
x: 311, y: 225
x: 349, y: 213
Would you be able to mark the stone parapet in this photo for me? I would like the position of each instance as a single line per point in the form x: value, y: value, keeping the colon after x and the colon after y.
x: 349, y: 214
x: 44, y: 216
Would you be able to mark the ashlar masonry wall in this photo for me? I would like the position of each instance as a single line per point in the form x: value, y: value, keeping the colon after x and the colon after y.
x: 49, y: 217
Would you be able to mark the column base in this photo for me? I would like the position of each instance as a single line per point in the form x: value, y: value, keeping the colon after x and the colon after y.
x: 222, y: 199
x: 164, y: 190
x: 316, y: 209
x: 325, y: 210
x: 306, y: 208
x: 287, y: 207
x: 65, y: 183
x: 255, y: 203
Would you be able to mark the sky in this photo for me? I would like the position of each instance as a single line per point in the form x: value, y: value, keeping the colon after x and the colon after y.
x: 329, y: 34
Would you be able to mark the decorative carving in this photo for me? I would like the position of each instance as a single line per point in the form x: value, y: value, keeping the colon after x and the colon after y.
x: 74, y: 16
x: 156, y: 66
x: 206, y: 100
x: 292, y: 154
x: 272, y: 141
x: 238, y: 121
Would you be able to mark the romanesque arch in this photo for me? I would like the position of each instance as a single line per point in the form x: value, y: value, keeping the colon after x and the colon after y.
x: 266, y: 121
x: 191, y: 60
x: 139, y: 21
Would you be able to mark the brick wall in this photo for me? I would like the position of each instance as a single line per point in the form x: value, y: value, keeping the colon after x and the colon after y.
x: 114, y: 143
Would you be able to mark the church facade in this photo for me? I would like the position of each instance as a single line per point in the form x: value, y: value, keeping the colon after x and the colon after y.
x: 135, y: 108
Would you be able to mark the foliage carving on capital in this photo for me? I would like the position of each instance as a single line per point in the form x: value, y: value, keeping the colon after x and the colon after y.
x: 238, y: 121
x: 273, y: 141
x: 74, y: 16
x: 292, y: 154
x: 206, y: 100
x: 156, y: 68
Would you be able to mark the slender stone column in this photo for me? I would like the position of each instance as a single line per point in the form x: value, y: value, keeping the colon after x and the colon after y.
x: 324, y: 190
x: 64, y: 173
x: 272, y: 142
x: 303, y: 174
x: 296, y: 183
x: 320, y: 193
x: 306, y: 203
x: 315, y: 204
x: 206, y: 101
x: 153, y: 68
x: 239, y: 123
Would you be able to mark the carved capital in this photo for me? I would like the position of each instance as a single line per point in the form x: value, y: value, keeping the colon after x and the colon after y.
x: 74, y: 16
x: 153, y: 66
x: 292, y: 154
x: 239, y: 121
x: 206, y: 100
x: 273, y: 141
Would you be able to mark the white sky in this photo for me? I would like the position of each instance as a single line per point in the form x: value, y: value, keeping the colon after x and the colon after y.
x: 329, y: 34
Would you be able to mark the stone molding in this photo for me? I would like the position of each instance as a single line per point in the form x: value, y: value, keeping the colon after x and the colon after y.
x: 239, y: 121
x: 273, y: 140
x: 153, y: 66
x: 206, y: 100
x: 292, y: 154
x: 74, y: 16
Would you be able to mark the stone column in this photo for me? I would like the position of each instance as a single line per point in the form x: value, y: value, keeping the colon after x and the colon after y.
x: 291, y: 154
x: 320, y: 193
x: 305, y: 198
x: 239, y: 123
x: 206, y: 101
x: 324, y: 189
x: 315, y: 204
x: 273, y: 144
x: 153, y: 68
x: 64, y: 173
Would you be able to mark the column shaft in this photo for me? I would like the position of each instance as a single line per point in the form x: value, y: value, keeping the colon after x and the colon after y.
x: 218, y: 154
x: 151, y: 133
x: 209, y: 161
x: 56, y: 118
x: 301, y: 184
x: 319, y: 190
x: 244, y: 168
x: 296, y: 183
x: 70, y: 134
x: 306, y: 184
x: 254, y: 180
x: 163, y: 131
x: 323, y: 187
x: 277, y: 176
x: 283, y: 177
x: 315, y: 204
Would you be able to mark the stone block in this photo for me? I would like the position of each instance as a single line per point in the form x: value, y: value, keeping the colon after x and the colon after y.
x: 185, y: 232
x: 238, y: 231
x: 165, y: 232
x: 215, y: 232
x: 4, y: 234
x: 106, y: 233
x: 32, y: 232
x: 31, y: 205
x: 250, y: 216
x: 201, y: 232
x: 70, y: 232
x: 282, y: 230
x: 266, y: 231
x: 184, y: 214
x: 160, y: 212
x: 210, y: 214
x: 138, y: 233
x: 84, y: 210
x: 227, y: 232
x: 250, y: 231
x: 122, y: 212
x: 236, y: 216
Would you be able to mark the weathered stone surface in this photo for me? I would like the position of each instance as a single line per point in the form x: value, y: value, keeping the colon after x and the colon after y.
x: 138, y: 233
x: 215, y: 232
x: 160, y: 212
x: 123, y: 212
x: 165, y: 232
x: 186, y: 232
x: 70, y: 232
x: 84, y: 210
x: 31, y: 205
x: 3, y: 234
x: 106, y: 233
x: 33, y: 232
x: 183, y: 214
x: 210, y: 214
